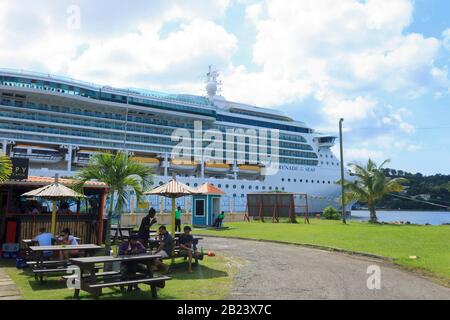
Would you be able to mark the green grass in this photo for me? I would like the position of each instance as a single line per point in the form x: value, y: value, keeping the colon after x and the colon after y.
x: 212, y: 279
x: 430, y: 243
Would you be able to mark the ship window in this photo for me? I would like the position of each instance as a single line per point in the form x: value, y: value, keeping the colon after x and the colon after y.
x: 257, y: 188
x: 234, y: 195
x: 195, y: 184
x: 289, y: 180
x: 264, y: 188
x: 234, y: 187
x: 242, y: 187
x: 329, y: 182
x: 227, y: 186
x: 307, y: 181
x: 270, y: 188
x: 282, y: 179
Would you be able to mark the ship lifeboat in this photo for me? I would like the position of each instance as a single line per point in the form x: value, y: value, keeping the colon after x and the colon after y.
x: 151, y: 162
x: 83, y: 156
x: 216, y: 168
x: 183, y: 165
x: 37, y: 154
x: 249, y: 170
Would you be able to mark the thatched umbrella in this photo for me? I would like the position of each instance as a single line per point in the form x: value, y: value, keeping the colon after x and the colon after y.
x: 172, y: 189
x: 55, y: 191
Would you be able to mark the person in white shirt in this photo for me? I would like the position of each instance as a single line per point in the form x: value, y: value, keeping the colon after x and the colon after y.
x: 68, y: 240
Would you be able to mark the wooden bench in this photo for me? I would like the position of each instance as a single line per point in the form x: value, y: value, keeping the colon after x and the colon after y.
x: 157, y: 282
x: 97, y: 274
x: 39, y: 273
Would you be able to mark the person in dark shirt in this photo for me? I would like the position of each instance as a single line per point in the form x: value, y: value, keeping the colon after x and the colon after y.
x: 219, y: 220
x: 129, y: 269
x: 187, y: 246
x: 165, y: 247
x: 147, y: 222
x: 133, y: 246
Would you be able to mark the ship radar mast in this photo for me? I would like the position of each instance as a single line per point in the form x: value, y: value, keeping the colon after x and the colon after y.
x: 212, y: 83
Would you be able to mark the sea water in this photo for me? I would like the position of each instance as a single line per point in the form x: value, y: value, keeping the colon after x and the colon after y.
x: 414, y: 217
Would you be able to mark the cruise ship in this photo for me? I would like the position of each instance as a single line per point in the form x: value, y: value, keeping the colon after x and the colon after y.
x: 58, y: 123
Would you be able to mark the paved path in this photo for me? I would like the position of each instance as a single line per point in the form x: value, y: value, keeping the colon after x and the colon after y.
x: 8, y: 290
x: 277, y: 271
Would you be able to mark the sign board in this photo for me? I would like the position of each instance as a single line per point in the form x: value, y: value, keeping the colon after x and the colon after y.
x: 143, y: 205
x: 20, y: 168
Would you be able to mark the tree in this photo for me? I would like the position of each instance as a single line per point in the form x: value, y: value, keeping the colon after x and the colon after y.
x: 5, y: 168
x: 371, y: 185
x: 121, y: 173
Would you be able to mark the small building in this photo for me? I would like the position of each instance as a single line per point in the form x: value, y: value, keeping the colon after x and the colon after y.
x: 21, y: 218
x: 206, y: 205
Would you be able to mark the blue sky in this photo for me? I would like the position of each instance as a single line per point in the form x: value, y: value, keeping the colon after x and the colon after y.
x: 380, y: 64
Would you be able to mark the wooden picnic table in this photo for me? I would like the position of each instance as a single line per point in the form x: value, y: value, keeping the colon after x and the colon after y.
x: 39, y: 250
x: 93, y: 282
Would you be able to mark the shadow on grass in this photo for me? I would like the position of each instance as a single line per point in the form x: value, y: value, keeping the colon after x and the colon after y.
x: 179, y: 272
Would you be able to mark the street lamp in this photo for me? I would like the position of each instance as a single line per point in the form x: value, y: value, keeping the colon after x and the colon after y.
x: 342, y: 170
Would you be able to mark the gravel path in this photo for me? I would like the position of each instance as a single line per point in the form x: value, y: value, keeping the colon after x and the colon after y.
x: 277, y: 271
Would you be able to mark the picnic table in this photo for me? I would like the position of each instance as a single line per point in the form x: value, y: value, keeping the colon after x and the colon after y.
x: 154, y: 243
x: 41, y: 267
x: 91, y: 281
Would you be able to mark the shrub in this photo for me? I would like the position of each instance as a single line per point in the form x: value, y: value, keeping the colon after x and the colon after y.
x: 330, y: 213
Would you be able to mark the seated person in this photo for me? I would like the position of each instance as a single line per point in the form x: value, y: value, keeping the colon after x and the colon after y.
x: 219, y: 220
x: 187, y: 246
x: 44, y: 239
x: 165, y: 247
x: 131, y: 247
x: 68, y: 240
x: 146, y: 224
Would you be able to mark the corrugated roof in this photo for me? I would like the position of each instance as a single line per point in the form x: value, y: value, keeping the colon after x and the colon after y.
x: 208, y: 188
x: 39, y: 181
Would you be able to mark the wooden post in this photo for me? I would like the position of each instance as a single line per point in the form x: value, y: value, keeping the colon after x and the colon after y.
x: 306, y: 210
x: 261, y: 216
x: 53, y: 230
x: 173, y: 229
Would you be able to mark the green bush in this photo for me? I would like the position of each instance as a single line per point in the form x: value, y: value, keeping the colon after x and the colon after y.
x: 330, y: 213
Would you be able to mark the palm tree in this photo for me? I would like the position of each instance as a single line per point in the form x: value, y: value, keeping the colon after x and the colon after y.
x: 371, y: 185
x: 121, y: 173
x: 5, y: 168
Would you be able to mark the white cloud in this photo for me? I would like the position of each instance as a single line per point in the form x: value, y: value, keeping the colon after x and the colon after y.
x: 446, y: 39
x: 146, y: 46
x: 353, y: 154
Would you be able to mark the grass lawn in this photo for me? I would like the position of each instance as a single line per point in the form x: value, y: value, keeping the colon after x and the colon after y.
x: 430, y: 243
x: 212, y: 279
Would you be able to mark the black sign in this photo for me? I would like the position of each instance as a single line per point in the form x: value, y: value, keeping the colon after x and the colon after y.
x: 20, y: 168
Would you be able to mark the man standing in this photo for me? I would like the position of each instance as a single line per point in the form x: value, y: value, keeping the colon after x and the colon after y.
x: 146, y: 224
x: 178, y: 220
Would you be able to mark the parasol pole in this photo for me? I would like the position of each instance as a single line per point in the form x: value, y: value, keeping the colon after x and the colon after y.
x: 54, y: 209
x: 173, y: 229
x: 53, y: 217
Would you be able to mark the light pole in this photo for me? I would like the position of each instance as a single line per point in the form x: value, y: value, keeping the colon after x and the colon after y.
x: 342, y: 170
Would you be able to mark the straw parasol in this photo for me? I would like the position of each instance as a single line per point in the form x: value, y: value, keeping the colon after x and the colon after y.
x: 55, y: 191
x: 172, y: 189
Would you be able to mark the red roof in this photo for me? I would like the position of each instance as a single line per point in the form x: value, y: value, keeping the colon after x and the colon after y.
x: 41, y: 181
x: 208, y: 188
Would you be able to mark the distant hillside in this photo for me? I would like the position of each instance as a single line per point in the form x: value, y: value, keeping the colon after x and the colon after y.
x: 435, y: 189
